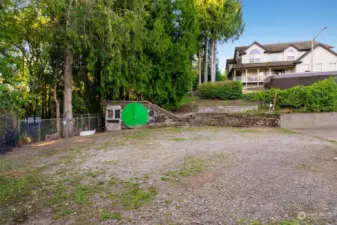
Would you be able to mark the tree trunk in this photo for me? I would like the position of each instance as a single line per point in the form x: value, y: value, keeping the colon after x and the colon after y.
x: 213, y: 59
x: 206, y: 60
x: 68, y: 79
x: 57, y: 103
x: 67, y: 102
x: 199, y: 66
x: 49, y: 105
x: 43, y: 101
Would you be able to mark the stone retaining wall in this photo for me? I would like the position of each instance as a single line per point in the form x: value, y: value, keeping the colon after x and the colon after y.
x: 235, y: 120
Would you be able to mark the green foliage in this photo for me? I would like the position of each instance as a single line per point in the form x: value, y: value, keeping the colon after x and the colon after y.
x: 322, y: 96
x: 17, y: 186
x: 83, y: 194
x: 221, y: 19
x: 190, y: 167
x: 221, y: 77
x: 107, y: 215
x: 220, y: 90
x: 13, y: 98
x: 187, y: 100
x: 319, y: 97
x: 140, y: 50
x: 135, y: 197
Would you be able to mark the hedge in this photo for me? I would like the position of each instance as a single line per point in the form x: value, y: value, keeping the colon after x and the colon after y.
x: 319, y: 97
x: 220, y: 90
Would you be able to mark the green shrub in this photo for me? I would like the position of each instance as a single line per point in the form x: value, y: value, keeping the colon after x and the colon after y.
x: 220, y: 90
x: 322, y: 96
x: 319, y: 97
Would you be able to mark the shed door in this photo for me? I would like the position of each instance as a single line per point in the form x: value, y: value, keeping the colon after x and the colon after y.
x: 113, y: 117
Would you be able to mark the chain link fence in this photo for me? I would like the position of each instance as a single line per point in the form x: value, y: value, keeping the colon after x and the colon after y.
x: 36, y: 129
x: 8, y: 132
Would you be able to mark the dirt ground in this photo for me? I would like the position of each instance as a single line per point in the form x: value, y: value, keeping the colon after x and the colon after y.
x: 196, y: 175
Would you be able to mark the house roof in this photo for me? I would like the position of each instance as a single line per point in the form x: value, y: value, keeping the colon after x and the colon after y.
x: 321, y: 45
x: 280, y: 47
x: 264, y: 64
x: 229, y: 62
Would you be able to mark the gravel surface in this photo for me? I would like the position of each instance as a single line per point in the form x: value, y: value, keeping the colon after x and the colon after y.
x: 248, y: 175
x: 271, y: 175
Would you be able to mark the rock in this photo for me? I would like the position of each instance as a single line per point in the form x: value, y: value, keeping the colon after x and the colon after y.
x: 52, y: 137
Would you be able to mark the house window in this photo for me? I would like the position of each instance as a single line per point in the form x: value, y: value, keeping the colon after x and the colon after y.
x: 254, y: 56
x: 290, y: 58
x: 318, y: 67
x: 110, y: 114
x: 332, y: 66
x: 290, y: 55
x: 117, y: 114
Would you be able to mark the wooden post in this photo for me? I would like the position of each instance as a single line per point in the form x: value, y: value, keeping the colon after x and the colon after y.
x: 246, y: 78
x: 234, y: 74
x: 258, y: 77
x: 275, y: 97
x: 269, y: 71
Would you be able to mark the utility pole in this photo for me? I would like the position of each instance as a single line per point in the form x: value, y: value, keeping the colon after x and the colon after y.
x: 312, y: 48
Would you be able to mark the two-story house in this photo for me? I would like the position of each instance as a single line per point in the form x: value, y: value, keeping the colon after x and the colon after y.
x: 252, y: 64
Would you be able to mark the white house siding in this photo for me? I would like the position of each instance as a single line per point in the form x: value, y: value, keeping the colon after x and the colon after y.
x: 323, y: 61
x: 270, y: 57
x: 247, y: 56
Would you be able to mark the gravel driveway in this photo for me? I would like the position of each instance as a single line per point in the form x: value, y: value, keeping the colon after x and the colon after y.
x: 221, y: 175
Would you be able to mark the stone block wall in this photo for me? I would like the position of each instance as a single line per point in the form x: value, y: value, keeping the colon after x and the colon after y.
x: 236, y: 120
x: 159, y: 117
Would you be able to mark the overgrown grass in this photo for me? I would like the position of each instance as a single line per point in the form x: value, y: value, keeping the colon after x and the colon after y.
x: 15, y: 187
x: 187, y: 100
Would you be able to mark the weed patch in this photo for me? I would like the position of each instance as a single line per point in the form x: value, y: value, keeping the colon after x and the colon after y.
x: 190, y: 167
x: 177, y: 139
x: 107, y: 215
x: 243, y: 130
x: 83, y: 193
x: 134, y: 197
x: 287, y: 131
x: 95, y: 173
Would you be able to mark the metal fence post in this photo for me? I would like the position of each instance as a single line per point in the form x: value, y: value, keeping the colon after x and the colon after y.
x: 81, y: 122
x: 39, y: 132
x: 98, y: 123
x: 89, y: 123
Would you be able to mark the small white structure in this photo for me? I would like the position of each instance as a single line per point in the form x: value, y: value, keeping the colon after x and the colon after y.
x: 113, y: 115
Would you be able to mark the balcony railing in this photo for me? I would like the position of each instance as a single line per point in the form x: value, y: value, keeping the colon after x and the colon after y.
x: 252, y: 79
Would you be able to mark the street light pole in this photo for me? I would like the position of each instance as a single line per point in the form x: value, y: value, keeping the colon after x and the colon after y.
x: 312, y: 48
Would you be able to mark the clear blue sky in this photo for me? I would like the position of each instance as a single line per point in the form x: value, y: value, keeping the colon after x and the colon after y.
x: 277, y: 21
